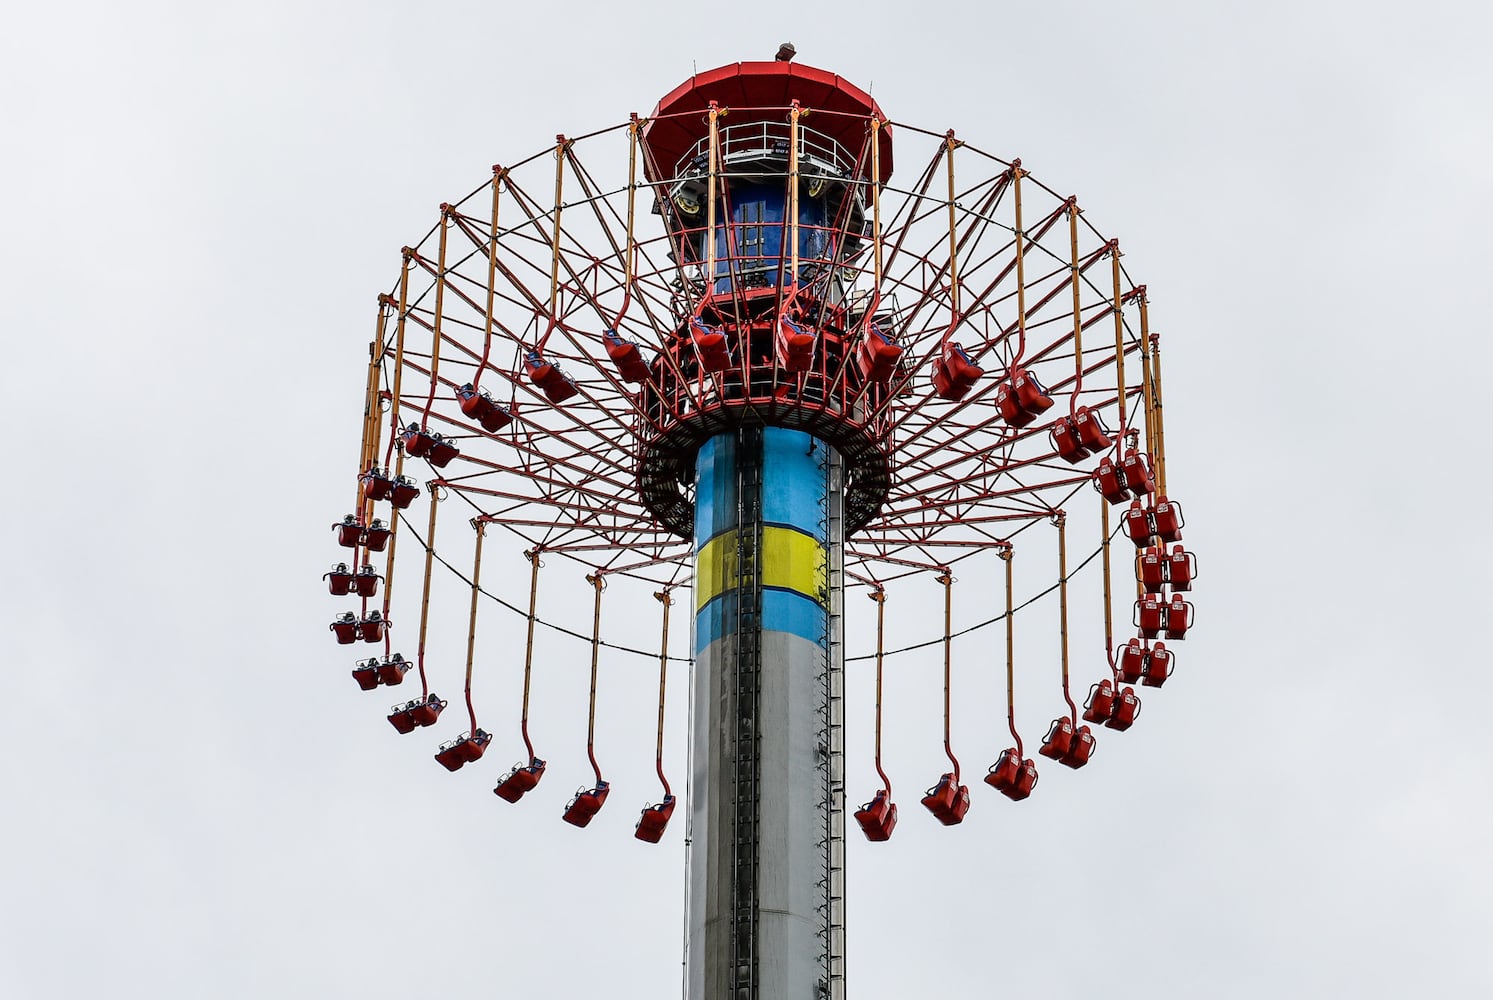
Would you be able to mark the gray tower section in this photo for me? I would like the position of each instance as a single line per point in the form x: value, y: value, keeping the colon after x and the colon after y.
x: 766, y: 852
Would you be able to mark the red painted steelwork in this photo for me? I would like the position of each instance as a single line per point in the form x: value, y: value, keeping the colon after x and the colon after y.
x: 759, y: 91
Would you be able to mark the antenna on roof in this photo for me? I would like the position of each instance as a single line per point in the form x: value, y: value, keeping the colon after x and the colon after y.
x: 786, y: 52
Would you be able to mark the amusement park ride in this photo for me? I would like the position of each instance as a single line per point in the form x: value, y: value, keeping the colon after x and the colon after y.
x: 717, y: 349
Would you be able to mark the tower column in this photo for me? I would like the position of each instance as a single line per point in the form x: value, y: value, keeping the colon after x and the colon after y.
x: 766, y: 850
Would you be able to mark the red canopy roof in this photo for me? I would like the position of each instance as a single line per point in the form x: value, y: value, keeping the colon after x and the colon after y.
x: 757, y: 91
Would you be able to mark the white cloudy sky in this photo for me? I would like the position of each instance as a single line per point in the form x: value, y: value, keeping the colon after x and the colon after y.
x: 199, y: 203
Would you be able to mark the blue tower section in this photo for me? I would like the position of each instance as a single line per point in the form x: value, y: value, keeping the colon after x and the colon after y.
x: 765, y: 667
x: 792, y: 558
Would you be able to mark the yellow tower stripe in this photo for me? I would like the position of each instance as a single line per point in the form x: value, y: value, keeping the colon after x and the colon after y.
x: 791, y: 560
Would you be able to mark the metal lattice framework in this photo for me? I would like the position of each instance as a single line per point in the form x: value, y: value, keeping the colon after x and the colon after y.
x: 563, y: 246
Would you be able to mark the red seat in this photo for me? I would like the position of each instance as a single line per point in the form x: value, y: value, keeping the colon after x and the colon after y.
x: 878, y: 818
x: 557, y: 386
x: 710, y: 344
x: 1030, y: 393
x: 1059, y: 739
x: 522, y: 778
x: 1127, y: 706
x: 795, y: 346
x: 879, y: 355
x: 475, y: 746
x: 349, y: 532
x: 1011, y: 776
x: 1110, y: 482
x: 1021, y: 398
x: 376, y: 485
x: 417, y: 441
x: 365, y: 672
x: 1150, y: 568
x: 442, y: 452
x: 371, y: 626
x: 955, y: 373
x: 377, y: 535
x: 402, y: 718
x: 471, y: 401
x: 391, y: 669
x: 948, y: 801
x: 1159, y: 663
x: 1150, y: 615
x: 540, y: 370
x: 339, y: 580
x: 651, y: 824
x: 1181, y: 568
x: 1100, y: 705
x: 625, y: 356
x: 1138, y: 524
x: 345, y: 628
x: 479, y: 406
x: 367, y: 581
x: 1010, y: 407
x: 1137, y: 472
x: 940, y: 798
x: 1167, y: 520
x: 1081, y: 749
x: 403, y: 492
x: 494, y: 417
x: 1130, y: 661
x: 1092, y: 434
x: 425, y: 713
x: 465, y: 749
x: 1178, y: 617
x: 961, y: 807
x: 1065, y: 440
x: 586, y: 804
x: 451, y: 756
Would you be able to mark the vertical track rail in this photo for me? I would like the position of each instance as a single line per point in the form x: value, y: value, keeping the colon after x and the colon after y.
x: 390, y: 549
x: 1061, y: 521
x: 1156, y: 402
x: 1075, y: 270
x: 951, y: 144
x: 832, y: 750
x: 479, y: 525
x: 597, y: 584
x: 523, y: 720
x: 946, y: 580
x: 1117, y: 305
x: 561, y: 144
x: 1109, y: 615
x: 438, y: 319
x: 712, y: 188
x: 746, y: 759
x: 1020, y: 237
x: 1148, y: 395
x: 1006, y: 554
x: 434, y: 490
x: 664, y: 598
x: 372, y: 410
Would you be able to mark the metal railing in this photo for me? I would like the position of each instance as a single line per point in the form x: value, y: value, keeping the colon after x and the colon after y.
x: 752, y: 140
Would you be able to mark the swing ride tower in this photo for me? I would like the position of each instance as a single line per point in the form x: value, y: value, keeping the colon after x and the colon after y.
x: 766, y: 212
x: 718, y: 349
x: 766, y: 856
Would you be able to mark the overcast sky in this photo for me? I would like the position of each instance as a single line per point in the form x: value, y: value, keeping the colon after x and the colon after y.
x: 199, y: 204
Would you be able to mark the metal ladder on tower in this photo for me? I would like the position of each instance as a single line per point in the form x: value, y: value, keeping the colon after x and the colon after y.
x: 746, y: 757
x: 832, y: 740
